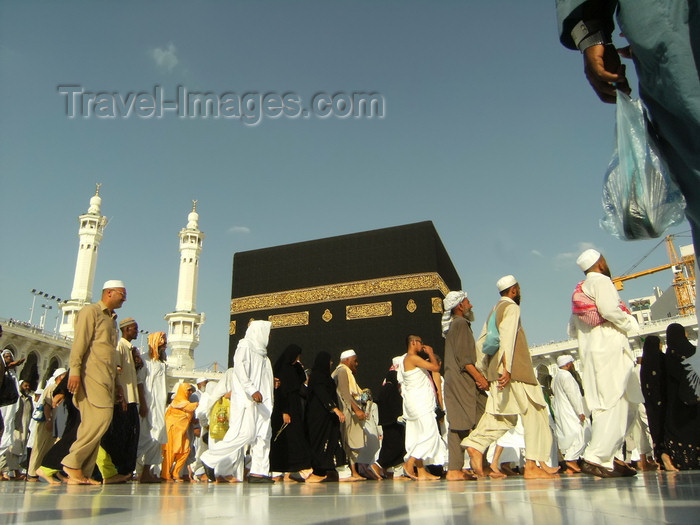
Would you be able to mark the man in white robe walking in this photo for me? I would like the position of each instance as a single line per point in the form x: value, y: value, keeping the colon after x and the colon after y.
x: 251, y: 384
x: 602, y: 325
x: 571, y: 427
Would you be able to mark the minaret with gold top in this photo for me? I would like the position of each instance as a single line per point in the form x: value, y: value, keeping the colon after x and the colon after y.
x: 90, y: 231
x: 184, y: 322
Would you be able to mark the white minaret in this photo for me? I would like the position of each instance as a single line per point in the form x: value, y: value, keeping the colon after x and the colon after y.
x: 184, y: 322
x: 90, y: 230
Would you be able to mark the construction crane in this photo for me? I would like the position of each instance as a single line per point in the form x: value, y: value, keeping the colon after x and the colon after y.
x: 683, y: 277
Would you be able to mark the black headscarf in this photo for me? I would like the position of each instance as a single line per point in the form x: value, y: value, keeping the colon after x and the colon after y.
x: 288, y: 357
x: 652, y: 356
x: 677, y: 342
x: 289, y: 371
x: 321, y: 371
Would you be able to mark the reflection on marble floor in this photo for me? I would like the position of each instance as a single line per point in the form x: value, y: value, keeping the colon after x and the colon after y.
x: 647, y: 498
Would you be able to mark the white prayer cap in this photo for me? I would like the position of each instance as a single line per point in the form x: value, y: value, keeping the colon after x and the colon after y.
x: 505, y: 282
x: 587, y: 259
x: 113, y: 284
x: 346, y: 354
x: 452, y: 299
x: 58, y: 372
x: 201, y: 380
x: 564, y: 360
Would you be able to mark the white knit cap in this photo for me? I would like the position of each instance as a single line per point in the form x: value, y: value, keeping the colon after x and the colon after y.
x: 588, y: 259
x: 346, y: 354
x: 113, y: 284
x: 564, y: 360
x: 505, y: 282
x: 58, y: 372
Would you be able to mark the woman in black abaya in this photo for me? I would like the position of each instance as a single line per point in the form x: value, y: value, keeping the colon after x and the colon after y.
x: 323, y: 419
x: 289, y: 450
x: 682, y: 430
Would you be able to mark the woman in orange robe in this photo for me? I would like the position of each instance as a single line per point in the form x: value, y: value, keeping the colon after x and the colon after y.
x: 178, y: 418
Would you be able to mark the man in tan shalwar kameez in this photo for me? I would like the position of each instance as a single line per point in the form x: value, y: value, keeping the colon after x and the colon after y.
x: 349, y: 393
x: 513, y: 390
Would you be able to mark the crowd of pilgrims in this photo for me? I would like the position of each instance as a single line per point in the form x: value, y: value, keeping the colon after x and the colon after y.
x: 166, y: 436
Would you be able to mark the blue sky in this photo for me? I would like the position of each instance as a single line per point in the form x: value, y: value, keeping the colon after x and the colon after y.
x: 490, y: 130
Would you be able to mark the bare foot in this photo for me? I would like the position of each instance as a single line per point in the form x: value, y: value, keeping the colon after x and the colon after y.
x: 532, y: 471
x: 427, y: 477
x: 496, y: 474
x: 455, y: 475
x: 548, y: 469
x: 75, y: 476
x: 476, y: 460
x: 668, y: 464
x: 572, y: 467
x: 505, y: 468
x: 117, y: 478
x: 645, y: 464
x: 313, y: 478
x: 408, y: 471
x: 378, y: 471
x: 46, y: 477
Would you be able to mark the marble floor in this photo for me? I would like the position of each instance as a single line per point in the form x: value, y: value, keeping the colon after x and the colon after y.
x: 647, y: 498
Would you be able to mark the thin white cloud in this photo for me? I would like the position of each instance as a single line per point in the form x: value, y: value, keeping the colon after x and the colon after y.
x: 165, y: 58
x: 537, y: 253
x: 567, y: 258
x: 239, y: 229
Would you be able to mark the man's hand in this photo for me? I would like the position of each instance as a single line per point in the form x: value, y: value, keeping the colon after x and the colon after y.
x: 605, y: 72
x: 143, y: 410
x: 503, y: 380
x: 14, y: 364
x: 482, y: 384
x: 581, y: 418
x: 73, y: 384
x: 341, y: 416
x: 360, y: 414
x: 286, y: 419
x: 257, y: 397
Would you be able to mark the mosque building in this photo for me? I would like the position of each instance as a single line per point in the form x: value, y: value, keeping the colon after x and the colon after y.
x: 45, y: 351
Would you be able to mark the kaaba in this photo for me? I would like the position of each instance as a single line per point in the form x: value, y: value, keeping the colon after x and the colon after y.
x: 366, y: 291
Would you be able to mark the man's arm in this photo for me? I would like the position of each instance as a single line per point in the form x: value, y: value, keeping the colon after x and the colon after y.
x: 84, y: 333
x: 607, y: 301
x: 573, y: 394
x: 241, y: 365
x: 466, y: 351
x: 344, y: 393
x: 585, y: 19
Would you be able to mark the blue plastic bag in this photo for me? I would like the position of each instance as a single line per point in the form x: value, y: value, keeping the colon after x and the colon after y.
x: 640, y: 200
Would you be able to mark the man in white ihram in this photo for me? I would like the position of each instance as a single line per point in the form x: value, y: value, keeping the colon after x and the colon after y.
x: 250, y: 383
x: 602, y: 324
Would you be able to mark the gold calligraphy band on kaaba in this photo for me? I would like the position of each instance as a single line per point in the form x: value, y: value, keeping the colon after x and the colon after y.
x: 339, y: 292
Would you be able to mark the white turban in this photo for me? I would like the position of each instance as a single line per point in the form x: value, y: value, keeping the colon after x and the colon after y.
x: 58, y: 372
x: 346, y: 354
x: 505, y: 282
x: 587, y: 259
x: 113, y: 284
x: 563, y: 360
x: 451, y: 300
